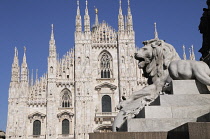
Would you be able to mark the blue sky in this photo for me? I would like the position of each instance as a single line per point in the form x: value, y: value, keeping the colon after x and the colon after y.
x: 28, y: 23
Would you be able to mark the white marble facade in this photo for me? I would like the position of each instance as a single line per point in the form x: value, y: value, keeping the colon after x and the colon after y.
x: 80, y: 91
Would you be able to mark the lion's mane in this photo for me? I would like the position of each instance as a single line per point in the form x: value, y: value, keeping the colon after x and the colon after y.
x: 162, y: 54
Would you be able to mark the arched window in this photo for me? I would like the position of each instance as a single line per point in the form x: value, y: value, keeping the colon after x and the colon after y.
x: 37, y: 128
x: 65, y: 127
x: 105, y: 65
x: 51, y: 69
x: 66, y: 99
x: 106, y: 104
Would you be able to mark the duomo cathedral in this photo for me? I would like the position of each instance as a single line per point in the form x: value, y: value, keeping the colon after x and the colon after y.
x: 80, y: 91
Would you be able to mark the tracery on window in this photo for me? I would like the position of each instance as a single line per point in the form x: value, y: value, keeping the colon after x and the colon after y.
x: 105, y: 65
x: 66, y: 99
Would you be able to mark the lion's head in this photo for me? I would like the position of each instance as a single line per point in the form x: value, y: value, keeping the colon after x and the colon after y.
x: 154, y: 58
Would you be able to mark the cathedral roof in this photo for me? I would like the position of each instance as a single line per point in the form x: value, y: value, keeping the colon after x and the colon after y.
x: 103, y: 33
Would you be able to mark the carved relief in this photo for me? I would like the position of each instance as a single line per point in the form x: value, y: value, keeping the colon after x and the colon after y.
x: 65, y: 115
x: 36, y: 116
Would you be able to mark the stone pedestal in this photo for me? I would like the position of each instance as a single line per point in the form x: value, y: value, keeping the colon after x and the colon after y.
x: 189, y: 102
x: 188, y: 87
x: 191, y: 130
x: 174, y: 116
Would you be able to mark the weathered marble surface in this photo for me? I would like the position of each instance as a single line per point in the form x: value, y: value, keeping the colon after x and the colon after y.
x: 188, y: 87
x: 186, y: 104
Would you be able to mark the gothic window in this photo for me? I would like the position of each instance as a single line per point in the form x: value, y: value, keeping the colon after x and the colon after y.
x: 65, y: 127
x: 66, y: 99
x: 106, y: 104
x: 37, y: 128
x: 51, y: 69
x: 105, y: 65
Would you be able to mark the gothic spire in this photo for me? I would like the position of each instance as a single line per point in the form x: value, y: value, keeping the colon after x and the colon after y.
x: 78, y: 10
x: 24, y: 68
x: 129, y: 9
x: 52, y: 48
x: 192, y: 53
x: 32, y: 77
x: 120, y: 18
x: 120, y: 9
x: 36, y: 75
x: 87, y: 19
x: 24, y: 56
x: 86, y: 9
x: 52, y: 33
x: 184, y: 54
x: 15, y: 68
x: 15, y: 61
x: 156, y: 33
x: 129, y: 18
x: 78, y: 19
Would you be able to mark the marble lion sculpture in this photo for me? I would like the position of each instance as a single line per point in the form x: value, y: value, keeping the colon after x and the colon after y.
x: 160, y: 64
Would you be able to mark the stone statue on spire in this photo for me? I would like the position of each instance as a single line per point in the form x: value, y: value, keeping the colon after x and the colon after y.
x: 96, y: 18
x: 24, y: 49
x: 96, y: 10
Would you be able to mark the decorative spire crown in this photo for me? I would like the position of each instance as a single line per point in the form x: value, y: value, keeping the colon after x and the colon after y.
x: 24, y: 50
x: 193, y: 54
x: 156, y: 33
x: 15, y: 61
x: 190, y: 53
x: 184, y: 54
x: 52, y: 46
x: 120, y: 10
x: 78, y: 10
x: 86, y: 3
x: 16, y: 52
x: 78, y: 21
x: 86, y: 19
x: 96, y: 10
x: 24, y: 55
x: 86, y: 10
x: 129, y: 9
x: 15, y: 68
x: 24, y: 70
x: 52, y: 32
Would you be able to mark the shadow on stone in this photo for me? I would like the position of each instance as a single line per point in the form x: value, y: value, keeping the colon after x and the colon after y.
x: 202, y: 88
x: 123, y: 128
x: 204, y: 118
x: 180, y: 132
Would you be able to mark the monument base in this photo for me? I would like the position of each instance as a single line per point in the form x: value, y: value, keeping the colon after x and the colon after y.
x: 191, y: 130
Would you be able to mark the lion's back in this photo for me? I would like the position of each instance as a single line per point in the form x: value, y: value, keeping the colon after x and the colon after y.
x: 181, y: 69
